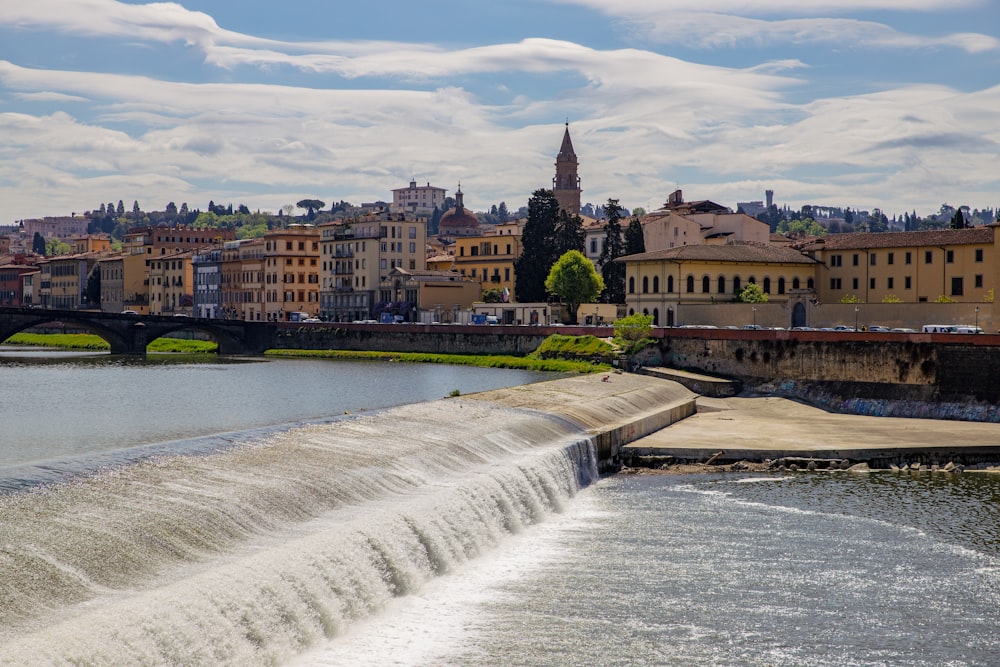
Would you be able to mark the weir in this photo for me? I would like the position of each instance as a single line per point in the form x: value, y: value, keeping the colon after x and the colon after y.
x: 256, y: 553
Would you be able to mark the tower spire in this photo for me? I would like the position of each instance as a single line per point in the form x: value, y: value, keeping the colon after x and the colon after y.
x: 566, y: 184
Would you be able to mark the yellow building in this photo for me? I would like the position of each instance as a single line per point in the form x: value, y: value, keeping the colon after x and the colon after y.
x: 171, y: 284
x: 291, y: 275
x: 438, y: 294
x: 658, y: 283
x: 908, y: 267
x: 490, y: 259
x: 62, y: 282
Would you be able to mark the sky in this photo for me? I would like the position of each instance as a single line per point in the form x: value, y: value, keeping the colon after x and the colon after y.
x: 891, y: 104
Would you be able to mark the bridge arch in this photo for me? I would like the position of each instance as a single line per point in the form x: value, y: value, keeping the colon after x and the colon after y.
x: 130, y: 334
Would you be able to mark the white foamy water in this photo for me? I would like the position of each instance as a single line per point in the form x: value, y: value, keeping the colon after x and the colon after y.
x: 255, y: 555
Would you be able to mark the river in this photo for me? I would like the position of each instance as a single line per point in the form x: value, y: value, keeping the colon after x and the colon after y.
x: 450, y: 532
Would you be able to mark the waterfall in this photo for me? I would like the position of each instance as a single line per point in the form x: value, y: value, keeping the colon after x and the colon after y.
x: 257, y: 553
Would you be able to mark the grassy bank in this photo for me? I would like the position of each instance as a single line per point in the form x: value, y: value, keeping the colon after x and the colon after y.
x: 96, y: 343
x: 484, y: 360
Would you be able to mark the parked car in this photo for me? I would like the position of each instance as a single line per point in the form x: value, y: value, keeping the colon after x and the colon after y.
x: 903, y: 330
x: 878, y: 329
x: 129, y: 312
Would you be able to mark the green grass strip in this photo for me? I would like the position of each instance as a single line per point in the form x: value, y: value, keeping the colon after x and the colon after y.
x: 483, y: 360
x: 95, y: 342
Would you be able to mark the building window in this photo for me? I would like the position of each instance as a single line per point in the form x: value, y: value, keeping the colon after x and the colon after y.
x: 956, y: 287
x: 871, y: 283
x: 781, y: 285
x: 856, y: 260
x: 721, y: 288
x: 631, y: 285
x: 656, y: 284
x: 979, y: 254
x: 670, y: 284
x: 854, y: 283
x: 690, y: 284
x: 950, y: 256
x: 796, y: 284
x: 908, y: 258
x: 928, y: 257
x: 871, y: 259
x: 706, y: 284
x: 907, y: 282
x: 979, y: 280
x: 836, y: 260
x: 645, y: 284
x: 736, y: 284
x: 835, y: 283
x: 889, y: 282
x: 767, y: 285
x: 890, y: 258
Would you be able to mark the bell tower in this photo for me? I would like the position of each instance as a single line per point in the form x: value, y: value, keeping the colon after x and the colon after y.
x: 566, y: 184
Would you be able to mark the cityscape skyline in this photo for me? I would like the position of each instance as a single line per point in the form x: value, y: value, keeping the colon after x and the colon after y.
x: 882, y: 103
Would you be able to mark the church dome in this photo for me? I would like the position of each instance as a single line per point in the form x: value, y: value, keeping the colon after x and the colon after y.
x: 458, y: 217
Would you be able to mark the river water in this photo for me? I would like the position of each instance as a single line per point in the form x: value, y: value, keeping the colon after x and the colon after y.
x: 454, y: 533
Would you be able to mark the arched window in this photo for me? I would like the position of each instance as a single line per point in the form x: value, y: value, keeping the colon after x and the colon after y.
x: 656, y: 284
x: 767, y: 285
x: 645, y: 311
x: 656, y: 317
x: 736, y: 285
x: 690, y: 284
x: 645, y: 284
x: 795, y: 283
x: 781, y: 285
x: 706, y: 285
x: 670, y: 284
x: 722, y: 285
x: 751, y: 280
x: 631, y: 311
x: 631, y: 284
x: 810, y: 284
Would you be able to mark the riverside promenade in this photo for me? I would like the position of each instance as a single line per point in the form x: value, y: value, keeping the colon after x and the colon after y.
x: 633, y: 416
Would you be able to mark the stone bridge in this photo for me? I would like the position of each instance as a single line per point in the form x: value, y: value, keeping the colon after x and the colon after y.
x: 130, y: 334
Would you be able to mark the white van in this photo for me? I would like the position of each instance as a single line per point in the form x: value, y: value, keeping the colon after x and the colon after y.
x: 968, y: 330
x: 940, y: 328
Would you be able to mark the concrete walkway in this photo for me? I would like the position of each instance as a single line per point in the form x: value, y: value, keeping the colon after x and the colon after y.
x: 768, y: 428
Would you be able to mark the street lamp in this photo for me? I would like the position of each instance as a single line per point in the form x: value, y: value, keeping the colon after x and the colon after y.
x: 856, y: 309
x: 977, y: 319
x: 754, y: 309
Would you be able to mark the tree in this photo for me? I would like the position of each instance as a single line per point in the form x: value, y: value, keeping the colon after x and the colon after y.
x: 958, y: 220
x: 613, y: 272
x: 635, y: 242
x: 538, y: 245
x: 311, y: 205
x: 93, y: 291
x: 502, y: 212
x: 631, y: 330
x: 121, y: 209
x: 753, y: 293
x: 569, y: 234
x: 574, y: 280
x: 492, y: 295
x: 38, y: 244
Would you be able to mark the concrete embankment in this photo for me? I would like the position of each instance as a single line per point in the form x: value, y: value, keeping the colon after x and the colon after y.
x: 729, y: 430
x: 615, y: 409
x: 645, y: 420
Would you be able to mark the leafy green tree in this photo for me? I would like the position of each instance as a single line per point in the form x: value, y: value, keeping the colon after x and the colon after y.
x: 38, y: 244
x: 638, y: 212
x: 492, y: 295
x: 635, y: 242
x: 574, y: 280
x: 753, y: 293
x: 538, y: 244
x: 613, y: 272
x: 56, y: 247
x: 633, y: 331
